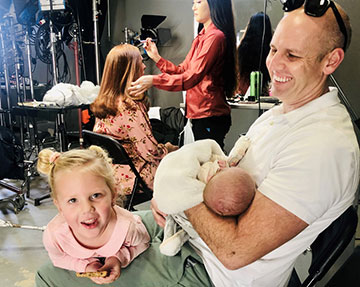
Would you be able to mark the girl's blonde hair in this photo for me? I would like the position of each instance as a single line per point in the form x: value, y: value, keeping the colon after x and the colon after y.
x: 93, y: 159
x: 123, y: 65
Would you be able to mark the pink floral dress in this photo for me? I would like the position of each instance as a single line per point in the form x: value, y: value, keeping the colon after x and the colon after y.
x: 132, y: 127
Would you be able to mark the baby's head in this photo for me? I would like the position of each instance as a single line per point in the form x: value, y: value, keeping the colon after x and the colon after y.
x: 93, y: 159
x: 229, y: 192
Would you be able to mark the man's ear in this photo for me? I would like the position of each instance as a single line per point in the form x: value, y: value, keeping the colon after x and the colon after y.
x: 333, y: 60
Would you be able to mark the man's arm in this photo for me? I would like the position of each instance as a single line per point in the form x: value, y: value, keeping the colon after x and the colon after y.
x: 239, y: 241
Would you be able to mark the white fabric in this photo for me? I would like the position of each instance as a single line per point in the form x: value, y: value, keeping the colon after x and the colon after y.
x: 188, y: 133
x: 154, y: 113
x: 176, y: 189
x: 247, y: 94
x: 179, y: 183
x: 178, y: 171
x: 72, y: 95
x: 307, y: 161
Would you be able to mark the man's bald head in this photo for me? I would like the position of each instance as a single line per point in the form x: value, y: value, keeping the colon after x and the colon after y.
x: 333, y: 37
x: 329, y: 34
x: 304, y: 51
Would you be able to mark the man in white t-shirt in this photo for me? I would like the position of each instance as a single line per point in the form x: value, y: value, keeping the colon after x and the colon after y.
x: 304, y: 157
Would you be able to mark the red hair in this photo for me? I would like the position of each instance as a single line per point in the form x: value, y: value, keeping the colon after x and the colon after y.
x: 123, y: 65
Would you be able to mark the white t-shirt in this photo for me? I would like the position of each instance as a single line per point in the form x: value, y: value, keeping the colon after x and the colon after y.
x: 307, y: 161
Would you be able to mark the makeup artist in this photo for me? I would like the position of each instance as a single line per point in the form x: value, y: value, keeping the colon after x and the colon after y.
x: 207, y: 73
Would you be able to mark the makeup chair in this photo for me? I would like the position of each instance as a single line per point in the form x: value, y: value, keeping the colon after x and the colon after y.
x: 119, y: 155
x: 328, y: 247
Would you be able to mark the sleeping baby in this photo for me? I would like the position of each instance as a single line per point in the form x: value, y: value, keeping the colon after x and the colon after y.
x: 200, y: 172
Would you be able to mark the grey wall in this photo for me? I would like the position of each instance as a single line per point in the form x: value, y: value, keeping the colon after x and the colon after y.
x: 347, y: 74
x: 127, y: 13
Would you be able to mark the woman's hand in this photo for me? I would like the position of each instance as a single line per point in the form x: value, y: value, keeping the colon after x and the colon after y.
x: 113, y: 267
x: 158, y: 215
x: 151, y: 50
x: 170, y: 147
x: 141, y: 85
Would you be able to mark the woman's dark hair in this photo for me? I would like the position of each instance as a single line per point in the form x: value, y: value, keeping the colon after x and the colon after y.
x: 249, y: 50
x: 221, y: 13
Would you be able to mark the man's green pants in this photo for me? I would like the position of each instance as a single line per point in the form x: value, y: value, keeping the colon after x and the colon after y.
x: 149, y: 269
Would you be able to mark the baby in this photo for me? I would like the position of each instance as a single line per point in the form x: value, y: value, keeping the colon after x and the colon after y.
x: 199, y: 172
x: 229, y: 192
x: 90, y: 233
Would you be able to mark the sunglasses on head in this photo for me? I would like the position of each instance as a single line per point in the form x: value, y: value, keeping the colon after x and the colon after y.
x: 317, y: 8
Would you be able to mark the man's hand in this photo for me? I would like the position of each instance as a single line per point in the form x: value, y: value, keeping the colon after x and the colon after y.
x: 158, y: 215
x: 238, y: 151
x: 170, y: 147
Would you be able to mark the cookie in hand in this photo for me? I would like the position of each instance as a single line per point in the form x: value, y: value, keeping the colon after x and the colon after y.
x: 92, y: 274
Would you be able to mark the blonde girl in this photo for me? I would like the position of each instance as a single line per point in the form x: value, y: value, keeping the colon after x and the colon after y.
x: 90, y: 233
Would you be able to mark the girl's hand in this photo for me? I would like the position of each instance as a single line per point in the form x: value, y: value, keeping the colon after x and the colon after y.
x: 141, y: 85
x: 159, y: 216
x: 113, y: 267
x: 152, y: 50
x: 93, y: 266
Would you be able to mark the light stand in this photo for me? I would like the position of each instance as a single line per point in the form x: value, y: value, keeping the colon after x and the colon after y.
x: 96, y: 42
x: 74, y: 33
x: 6, y: 78
x: 20, y: 94
x: 83, y: 65
x: 50, y: 6
x: 76, y: 57
x: 28, y: 52
x: 52, y: 46
x: 108, y: 21
x: 20, y: 97
x: 126, y: 35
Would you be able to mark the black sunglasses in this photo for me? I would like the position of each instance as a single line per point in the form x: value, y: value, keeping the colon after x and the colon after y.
x: 317, y: 8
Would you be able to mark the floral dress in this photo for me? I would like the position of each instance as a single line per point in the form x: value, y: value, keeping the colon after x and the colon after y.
x: 132, y: 127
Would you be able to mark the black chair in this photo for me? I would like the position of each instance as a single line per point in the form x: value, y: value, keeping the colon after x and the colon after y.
x: 328, y: 247
x: 119, y: 155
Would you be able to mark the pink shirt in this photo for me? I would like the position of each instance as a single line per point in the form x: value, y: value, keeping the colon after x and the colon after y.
x: 128, y: 240
x: 133, y: 129
x: 200, y: 75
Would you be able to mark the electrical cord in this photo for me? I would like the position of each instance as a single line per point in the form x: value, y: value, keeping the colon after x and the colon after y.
x: 43, y: 52
x: 261, y: 55
x: 42, y: 41
x: 263, y: 35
